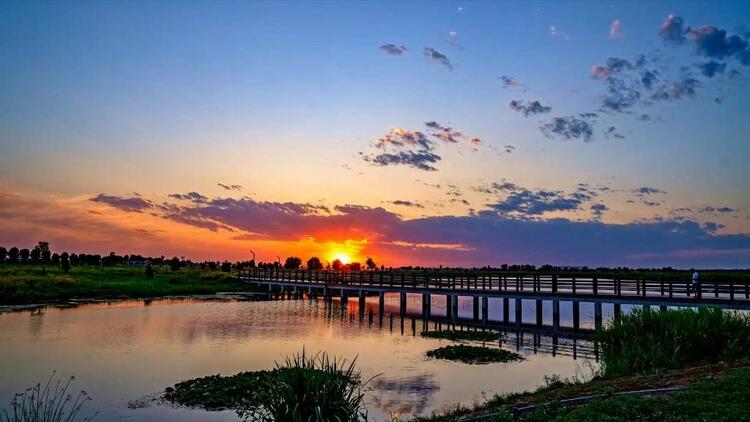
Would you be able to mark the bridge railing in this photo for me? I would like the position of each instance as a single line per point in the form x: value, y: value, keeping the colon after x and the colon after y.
x: 486, y: 281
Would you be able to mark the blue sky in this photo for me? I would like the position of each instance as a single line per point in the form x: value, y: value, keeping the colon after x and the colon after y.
x: 290, y: 101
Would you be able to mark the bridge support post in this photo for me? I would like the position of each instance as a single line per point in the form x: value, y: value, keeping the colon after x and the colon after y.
x: 506, y: 310
x: 618, y: 310
x: 485, y: 309
x: 519, y: 312
x: 344, y: 296
x: 576, y: 315
x: 326, y: 294
x: 403, y: 303
x: 539, y: 310
x: 556, y: 315
x: 454, y: 307
x: 270, y: 291
x: 475, y: 307
x: 598, y: 315
x: 448, y: 306
x: 426, y: 305
x: 381, y: 304
x: 361, y: 304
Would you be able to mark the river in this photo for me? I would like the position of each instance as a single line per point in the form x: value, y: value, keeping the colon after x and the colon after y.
x: 122, y: 353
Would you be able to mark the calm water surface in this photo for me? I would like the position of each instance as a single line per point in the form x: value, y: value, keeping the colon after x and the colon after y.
x: 125, y: 351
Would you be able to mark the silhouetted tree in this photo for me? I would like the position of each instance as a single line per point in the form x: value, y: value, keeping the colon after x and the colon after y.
x: 292, y: 263
x: 24, y: 255
x: 13, y: 255
x: 74, y: 259
x: 355, y: 266
x: 314, y: 263
x: 35, y: 255
x: 55, y: 259
x: 3, y: 255
x: 251, y: 264
x: 370, y: 263
x: 64, y: 261
x: 337, y: 265
x: 174, y: 264
x: 149, y: 271
x: 226, y: 267
x: 212, y: 265
x: 44, y: 251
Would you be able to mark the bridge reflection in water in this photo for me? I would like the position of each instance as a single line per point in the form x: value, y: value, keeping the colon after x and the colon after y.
x: 566, y: 341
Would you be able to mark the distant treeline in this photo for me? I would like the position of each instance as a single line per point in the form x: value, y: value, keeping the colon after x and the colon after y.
x: 42, y: 255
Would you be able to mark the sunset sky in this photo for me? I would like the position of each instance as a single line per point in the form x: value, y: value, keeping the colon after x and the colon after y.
x: 453, y: 133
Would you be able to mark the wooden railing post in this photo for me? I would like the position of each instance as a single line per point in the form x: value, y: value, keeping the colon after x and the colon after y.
x: 554, y: 283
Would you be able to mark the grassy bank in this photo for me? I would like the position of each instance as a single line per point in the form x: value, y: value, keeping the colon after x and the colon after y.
x: 714, y: 392
x: 705, y: 350
x: 24, y: 284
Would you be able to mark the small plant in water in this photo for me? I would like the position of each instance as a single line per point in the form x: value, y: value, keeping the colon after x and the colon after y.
x: 49, y: 403
x: 310, y: 388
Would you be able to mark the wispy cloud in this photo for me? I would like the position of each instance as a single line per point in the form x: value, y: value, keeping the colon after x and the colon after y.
x: 575, y: 127
x: 393, y: 49
x: 615, y: 30
x: 555, y: 32
x: 437, y: 56
x: 529, y: 107
x: 128, y: 204
x: 230, y: 187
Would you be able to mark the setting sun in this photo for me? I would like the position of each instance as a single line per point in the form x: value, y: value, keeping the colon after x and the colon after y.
x: 344, y: 258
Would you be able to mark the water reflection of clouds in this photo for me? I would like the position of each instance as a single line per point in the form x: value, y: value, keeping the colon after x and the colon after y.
x: 409, y: 395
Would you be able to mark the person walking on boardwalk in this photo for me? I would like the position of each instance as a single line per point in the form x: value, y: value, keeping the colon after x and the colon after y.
x: 695, y: 285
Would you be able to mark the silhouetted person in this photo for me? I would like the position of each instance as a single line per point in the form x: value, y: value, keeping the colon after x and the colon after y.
x: 695, y: 285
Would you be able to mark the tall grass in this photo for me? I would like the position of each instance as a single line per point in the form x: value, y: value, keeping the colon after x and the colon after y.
x: 645, y: 340
x: 310, y: 388
x: 49, y: 403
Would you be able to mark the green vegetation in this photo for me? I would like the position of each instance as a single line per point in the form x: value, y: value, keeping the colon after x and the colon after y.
x: 473, y: 354
x: 49, y: 403
x: 713, y: 398
x: 460, y: 335
x: 303, y: 388
x: 701, y: 379
x: 24, y: 284
x: 646, y: 340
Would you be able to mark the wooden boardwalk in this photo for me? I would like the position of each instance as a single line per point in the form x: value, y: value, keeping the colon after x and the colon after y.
x: 553, y: 287
x: 511, y: 289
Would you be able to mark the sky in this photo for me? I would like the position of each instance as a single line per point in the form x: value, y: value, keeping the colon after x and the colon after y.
x: 416, y: 133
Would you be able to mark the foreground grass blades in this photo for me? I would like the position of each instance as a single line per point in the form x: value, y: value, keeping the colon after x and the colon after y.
x: 51, y: 402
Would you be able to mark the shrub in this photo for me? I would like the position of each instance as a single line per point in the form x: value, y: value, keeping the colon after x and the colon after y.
x: 174, y: 264
x: 646, y: 340
x: 306, y: 388
x: 149, y: 271
x: 226, y: 267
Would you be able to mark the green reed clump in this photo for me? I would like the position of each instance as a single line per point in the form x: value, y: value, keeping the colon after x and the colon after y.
x: 646, y: 340
x: 473, y: 354
x: 309, y: 388
x: 49, y: 403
